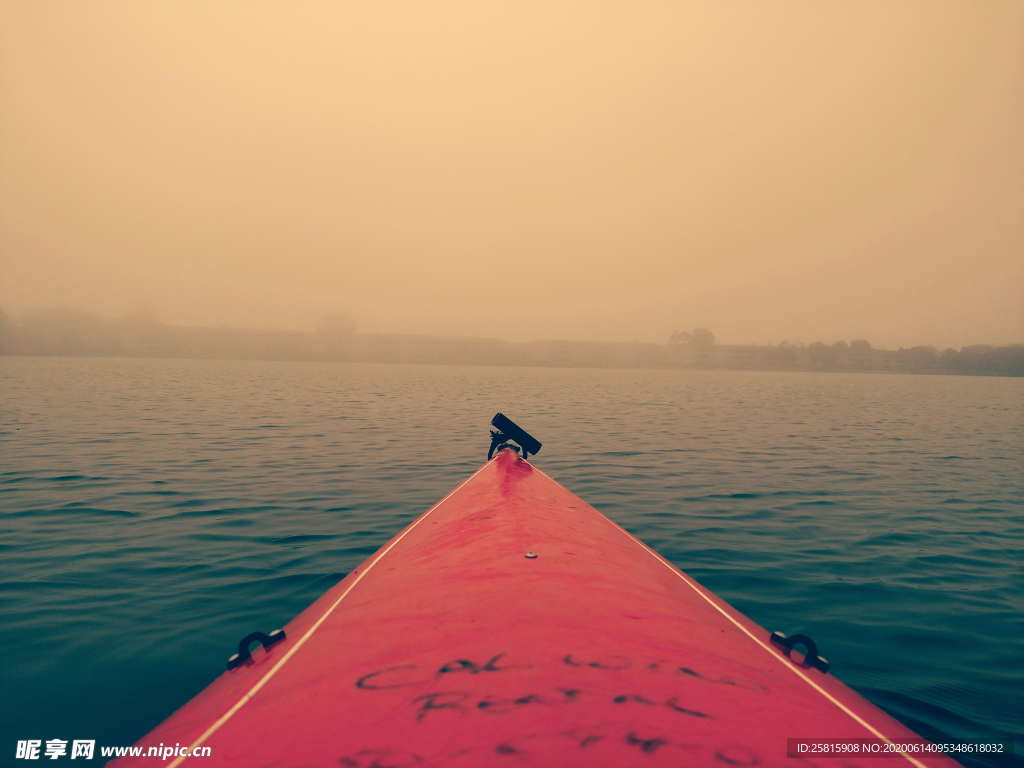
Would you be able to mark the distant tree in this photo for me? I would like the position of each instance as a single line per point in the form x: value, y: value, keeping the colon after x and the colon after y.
x: 1007, y: 361
x: 949, y: 359
x: 696, y: 346
x: 702, y: 342
x: 702, y: 338
x: 821, y: 355
x: 860, y: 355
x: 920, y: 358
x: 974, y: 358
x: 841, y: 354
x: 785, y: 355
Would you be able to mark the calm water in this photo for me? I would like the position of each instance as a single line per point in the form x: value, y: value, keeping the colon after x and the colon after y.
x: 154, y: 511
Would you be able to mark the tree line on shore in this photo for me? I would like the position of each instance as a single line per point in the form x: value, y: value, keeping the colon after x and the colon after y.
x: 72, y: 332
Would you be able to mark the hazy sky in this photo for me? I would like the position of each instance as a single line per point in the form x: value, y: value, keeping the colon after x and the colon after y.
x: 534, y: 169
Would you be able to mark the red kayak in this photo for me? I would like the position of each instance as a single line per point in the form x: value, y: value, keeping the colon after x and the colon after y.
x: 512, y: 624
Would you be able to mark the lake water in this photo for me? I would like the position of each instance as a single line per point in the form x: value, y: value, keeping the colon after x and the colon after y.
x: 155, y: 511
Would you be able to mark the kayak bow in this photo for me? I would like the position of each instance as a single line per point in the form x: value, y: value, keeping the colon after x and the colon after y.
x: 514, y: 624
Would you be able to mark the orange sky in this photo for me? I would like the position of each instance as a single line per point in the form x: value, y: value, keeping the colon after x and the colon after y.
x: 819, y: 169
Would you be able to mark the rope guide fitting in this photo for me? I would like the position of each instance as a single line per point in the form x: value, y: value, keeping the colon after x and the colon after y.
x: 811, y: 657
x: 244, y: 654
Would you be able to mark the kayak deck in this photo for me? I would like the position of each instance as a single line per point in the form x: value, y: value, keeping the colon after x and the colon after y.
x: 513, y: 624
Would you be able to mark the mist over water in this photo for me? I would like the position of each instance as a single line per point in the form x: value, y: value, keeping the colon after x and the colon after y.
x: 793, y: 170
x: 158, y: 510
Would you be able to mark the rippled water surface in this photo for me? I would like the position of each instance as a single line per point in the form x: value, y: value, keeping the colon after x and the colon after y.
x: 154, y: 511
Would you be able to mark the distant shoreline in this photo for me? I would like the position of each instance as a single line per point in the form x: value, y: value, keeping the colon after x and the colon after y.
x: 499, y: 364
x: 76, y: 333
